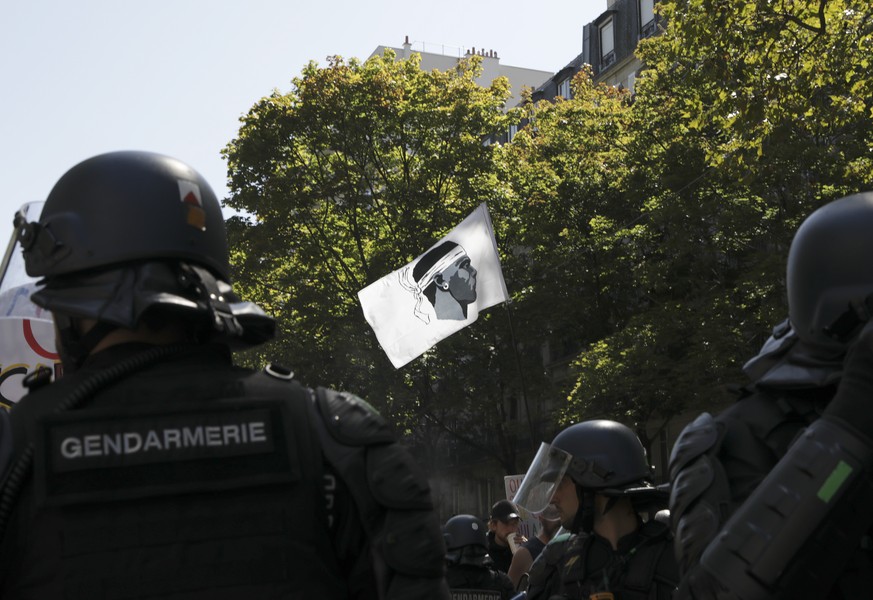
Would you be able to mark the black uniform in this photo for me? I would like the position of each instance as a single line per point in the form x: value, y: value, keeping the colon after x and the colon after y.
x: 470, y: 582
x: 643, y: 568
x: 772, y: 498
x: 718, y: 463
x: 165, y: 472
x: 500, y: 555
x: 732, y: 453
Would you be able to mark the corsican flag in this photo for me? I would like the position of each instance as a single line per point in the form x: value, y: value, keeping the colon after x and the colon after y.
x: 438, y: 293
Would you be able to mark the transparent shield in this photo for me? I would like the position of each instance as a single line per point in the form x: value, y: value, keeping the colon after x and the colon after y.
x: 542, y: 477
x: 27, y: 336
x: 13, y: 276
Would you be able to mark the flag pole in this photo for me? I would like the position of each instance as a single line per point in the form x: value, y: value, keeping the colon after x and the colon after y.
x: 520, y: 374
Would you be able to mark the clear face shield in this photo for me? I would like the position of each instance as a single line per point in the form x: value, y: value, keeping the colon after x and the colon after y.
x: 542, y: 478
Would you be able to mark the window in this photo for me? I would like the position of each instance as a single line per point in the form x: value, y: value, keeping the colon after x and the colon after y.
x: 513, y: 129
x: 607, y: 44
x: 564, y: 88
x: 647, y: 17
x: 631, y: 81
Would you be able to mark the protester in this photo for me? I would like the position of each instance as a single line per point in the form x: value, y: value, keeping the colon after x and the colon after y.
x: 596, y: 475
x: 772, y: 498
x: 469, y: 572
x: 154, y: 468
x: 549, y: 525
x: 503, y: 526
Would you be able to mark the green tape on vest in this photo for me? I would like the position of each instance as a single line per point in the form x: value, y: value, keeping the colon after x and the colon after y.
x: 834, y: 482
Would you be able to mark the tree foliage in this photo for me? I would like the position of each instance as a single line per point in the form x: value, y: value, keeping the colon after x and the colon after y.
x: 666, y: 218
x: 643, y: 236
x: 356, y: 170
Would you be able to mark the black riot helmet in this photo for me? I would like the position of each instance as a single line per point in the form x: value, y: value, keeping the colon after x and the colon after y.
x: 599, y: 456
x: 606, y: 454
x: 122, y: 207
x: 125, y: 235
x: 466, y: 540
x: 830, y: 274
x: 464, y: 530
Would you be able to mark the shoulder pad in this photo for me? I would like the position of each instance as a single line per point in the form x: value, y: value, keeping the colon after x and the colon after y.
x: 555, y: 549
x: 700, y: 491
x: 396, y: 480
x: 697, y: 437
x: 351, y: 420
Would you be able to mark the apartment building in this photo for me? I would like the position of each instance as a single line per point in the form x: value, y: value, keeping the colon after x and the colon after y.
x: 438, y: 56
x: 608, y: 44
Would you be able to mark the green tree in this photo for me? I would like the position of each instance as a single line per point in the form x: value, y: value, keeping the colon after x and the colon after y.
x: 357, y: 169
x: 673, y: 212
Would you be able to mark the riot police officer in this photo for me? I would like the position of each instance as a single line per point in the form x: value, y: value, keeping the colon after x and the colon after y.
x: 156, y: 468
x: 470, y: 571
x: 596, y: 475
x: 771, y: 499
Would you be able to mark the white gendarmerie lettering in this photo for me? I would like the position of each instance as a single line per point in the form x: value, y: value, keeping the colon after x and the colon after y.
x: 458, y: 594
x: 71, y: 448
x: 256, y: 432
x: 157, y: 440
x: 192, y: 438
x: 92, y: 445
x: 213, y: 436
x: 172, y: 439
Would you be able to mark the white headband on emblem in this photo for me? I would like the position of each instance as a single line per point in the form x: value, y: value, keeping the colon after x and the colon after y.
x: 417, y: 287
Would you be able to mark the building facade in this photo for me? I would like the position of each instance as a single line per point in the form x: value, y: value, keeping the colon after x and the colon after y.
x: 444, y: 58
x: 608, y: 45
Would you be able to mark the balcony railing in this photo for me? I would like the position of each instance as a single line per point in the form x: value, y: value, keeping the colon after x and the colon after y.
x: 648, y: 29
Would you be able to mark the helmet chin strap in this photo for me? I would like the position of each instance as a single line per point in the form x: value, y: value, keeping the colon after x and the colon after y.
x: 75, y: 347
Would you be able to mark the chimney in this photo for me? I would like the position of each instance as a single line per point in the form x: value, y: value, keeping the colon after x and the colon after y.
x: 406, y: 45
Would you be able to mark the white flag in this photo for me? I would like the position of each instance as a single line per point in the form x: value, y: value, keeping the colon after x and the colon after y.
x: 438, y: 293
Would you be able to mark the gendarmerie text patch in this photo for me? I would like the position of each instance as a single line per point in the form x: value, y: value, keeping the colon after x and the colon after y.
x: 84, y: 455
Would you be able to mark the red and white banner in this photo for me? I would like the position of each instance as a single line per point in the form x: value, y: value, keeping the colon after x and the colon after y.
x: 27, y: 334
x: 25, y: 345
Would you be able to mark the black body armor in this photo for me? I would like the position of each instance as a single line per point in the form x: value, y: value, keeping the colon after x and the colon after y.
x: 191, y: 478
x: 643, y: 567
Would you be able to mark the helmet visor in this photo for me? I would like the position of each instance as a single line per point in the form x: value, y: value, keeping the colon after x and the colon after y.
x: 542, y: 478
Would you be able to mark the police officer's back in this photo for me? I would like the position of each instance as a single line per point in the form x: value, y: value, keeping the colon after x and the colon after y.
x: 155, y: 468
x: 470, y: 572
x: 771, y: 498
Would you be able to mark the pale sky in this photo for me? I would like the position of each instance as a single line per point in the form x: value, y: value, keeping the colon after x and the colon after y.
x: 83, y: 77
